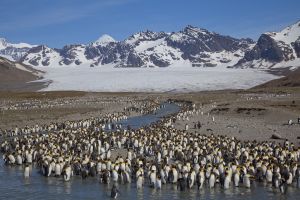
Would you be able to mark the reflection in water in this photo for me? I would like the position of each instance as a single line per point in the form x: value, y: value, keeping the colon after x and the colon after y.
x: 67, y: 187
x: 140, y: 194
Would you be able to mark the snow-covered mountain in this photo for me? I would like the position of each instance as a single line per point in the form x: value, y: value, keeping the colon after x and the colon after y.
x: 42, y: 56
x: 195, y: 46
x: 144, y: 49
x: 275, y: 50
x: 12, y: 51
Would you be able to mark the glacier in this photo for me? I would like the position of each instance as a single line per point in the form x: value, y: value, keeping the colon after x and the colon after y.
x: 178, y: 78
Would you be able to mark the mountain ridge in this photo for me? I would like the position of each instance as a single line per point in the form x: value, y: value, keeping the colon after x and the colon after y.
x: 198, y: 46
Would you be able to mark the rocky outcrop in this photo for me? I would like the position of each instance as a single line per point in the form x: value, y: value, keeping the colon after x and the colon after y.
x: 274, y: 49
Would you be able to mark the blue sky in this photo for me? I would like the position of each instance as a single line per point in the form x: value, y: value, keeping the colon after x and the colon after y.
x: 59, y: 22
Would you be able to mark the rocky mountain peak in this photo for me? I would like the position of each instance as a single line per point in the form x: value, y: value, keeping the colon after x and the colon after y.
x: 275, y: 50
x: 3, y: 43
x: 104, y: 40
x: 192, y: 29
x: 288, y: 35
x: 145, y: 36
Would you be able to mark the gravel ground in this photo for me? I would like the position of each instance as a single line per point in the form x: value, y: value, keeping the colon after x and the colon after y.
x: 248, y: 119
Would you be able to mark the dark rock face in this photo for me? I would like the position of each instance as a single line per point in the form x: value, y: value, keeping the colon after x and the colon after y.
x: 41, y: 54
x: 156, y: 60
x: 193, y: 41
x: 35, y: 62
x: 36, y: 49
x: 266, y: 48
x: 146, y: 36
x: 68, y: 52
x: 46, y: 62
x: 78, y: 62
x: 66, y: 61
x: 134, y: 60
x: 92, y: 52
x: 15, y: 53
x: 114, y: 52
x: 296, y: 46
x: 274, y: 48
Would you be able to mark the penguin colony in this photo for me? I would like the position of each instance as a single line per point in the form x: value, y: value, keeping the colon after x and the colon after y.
x: 136, y: 107
x: 156, y: 155
x: 137, y: 103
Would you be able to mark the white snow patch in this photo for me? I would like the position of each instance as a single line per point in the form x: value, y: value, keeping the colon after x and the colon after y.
x: 264, y: 64
x: 104, y: 40
x: 175, y: 78
x: 178, y: 37
x: 3, y: 43
x: 293, y: 64
x: 22, y: 45
x: 144, y: 45
x: 287, y: 35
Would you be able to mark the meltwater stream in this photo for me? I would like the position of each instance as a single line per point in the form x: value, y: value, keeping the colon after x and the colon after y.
x: 146, y: 120
x: 14, y: 186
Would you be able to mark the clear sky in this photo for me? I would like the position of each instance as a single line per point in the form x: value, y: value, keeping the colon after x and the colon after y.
x: 59, y: 22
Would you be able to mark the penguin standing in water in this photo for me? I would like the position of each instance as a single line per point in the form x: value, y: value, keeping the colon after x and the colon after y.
x: 227, y: 180
x: 152, y: 178
x: 158, y: 182
x: 182, y: 183
x: 297, y: 176
x: 84, y: 172
x: 212, y: 180
x: 246, y: 180
x: 283, y: 186
x: 222, y: 179
x: 114, y: 192
x: 236, y: 178
x: 19, y: 159
x: 105, y: 177
x: 67, y: 173
x: 200, y: 178
x: 284, y: 179
x: 26, y: 171
x: 276, y: 180
x: 115, y: 175
x: 139, y: 182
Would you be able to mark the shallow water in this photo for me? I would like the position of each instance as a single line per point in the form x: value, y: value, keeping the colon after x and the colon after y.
x: 37, y: 187
x: 14, y: 186
x: 145, y: 120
